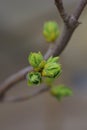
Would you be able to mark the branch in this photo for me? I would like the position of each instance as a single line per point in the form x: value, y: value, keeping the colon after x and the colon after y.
x: 72, y: 25
x: 60, y: 7
x: 80, y: 8
x: 63, y: 40
x: 15, y: 78
x: 69, y: 28
x: 39, y: 91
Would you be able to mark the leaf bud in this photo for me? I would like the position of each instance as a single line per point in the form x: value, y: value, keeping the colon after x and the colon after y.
x: 51, y: 31
x: 51, y: 70
x: 35, y: 59
x: 34, y: 78
x: 60, y: 91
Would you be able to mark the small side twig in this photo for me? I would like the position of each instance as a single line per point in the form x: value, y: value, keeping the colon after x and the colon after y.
x: 20, y: 98
x: 15, y: 78
x: 80, y: 8
x: 50, y: 50
x: 63, y: 14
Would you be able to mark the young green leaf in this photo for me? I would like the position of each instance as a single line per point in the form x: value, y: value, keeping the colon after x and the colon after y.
x: 35, y: 59
x: 52, y: 70
x: 34, y: 78
x: 53, y: 59
x: 60, y: 91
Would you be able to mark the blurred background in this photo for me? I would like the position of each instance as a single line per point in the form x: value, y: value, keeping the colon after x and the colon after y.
x: 21, y: 23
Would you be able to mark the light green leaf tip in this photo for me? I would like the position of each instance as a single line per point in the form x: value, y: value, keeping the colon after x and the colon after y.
x: 61, y: 91
x: 53, y: 59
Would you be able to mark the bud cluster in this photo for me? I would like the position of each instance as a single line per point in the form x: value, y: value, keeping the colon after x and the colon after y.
x: 42, y: 68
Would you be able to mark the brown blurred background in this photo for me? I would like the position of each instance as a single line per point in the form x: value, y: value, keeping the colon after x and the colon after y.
x: 21, y: 24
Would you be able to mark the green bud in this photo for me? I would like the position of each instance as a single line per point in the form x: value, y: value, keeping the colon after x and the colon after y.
x: 40, y: 66
x: 53, y: 59
x: 60, y: 91
x: 51, y: 31
x: 35, y: 59
x: 34, y: 78
x: 51, y: 70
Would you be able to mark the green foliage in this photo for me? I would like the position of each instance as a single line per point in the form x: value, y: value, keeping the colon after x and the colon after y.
x: 35, y: 59
x: 51, y: 70
x: 60, y: 91
x: 51, y: 31
x: 41, y: 68
x: 53, y: 59
x: 34, y: 78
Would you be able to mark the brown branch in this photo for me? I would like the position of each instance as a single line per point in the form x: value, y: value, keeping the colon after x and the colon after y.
x: 63, y: 41
x: 60, y: 7
x: 39, y: 91
x: 49, y: 52
x: 15, y: 78
x: 80, y: 8
x: 68, y: 30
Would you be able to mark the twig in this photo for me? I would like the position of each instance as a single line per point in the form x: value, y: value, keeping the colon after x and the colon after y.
x: 80, y: 8
x: 49, y: 52
x: 63, y: 40
x: 15, y: 78
x: 69, y: 28
x: 39, y: 91
x: 63, y: 14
